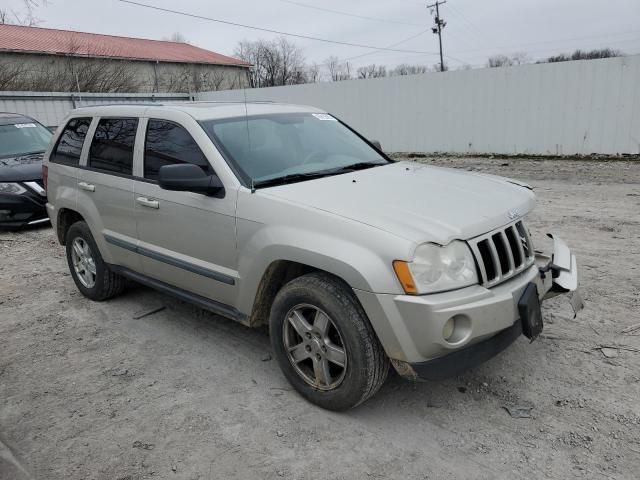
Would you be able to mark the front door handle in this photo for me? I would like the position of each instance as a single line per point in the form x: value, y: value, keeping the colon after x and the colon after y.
x: 87, y: 186
x: 144, y: 201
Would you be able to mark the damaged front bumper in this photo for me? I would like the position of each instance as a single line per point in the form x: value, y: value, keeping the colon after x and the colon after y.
x: 487, y: 320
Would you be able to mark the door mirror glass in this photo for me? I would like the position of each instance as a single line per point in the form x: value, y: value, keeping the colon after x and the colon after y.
x: 187, y: 177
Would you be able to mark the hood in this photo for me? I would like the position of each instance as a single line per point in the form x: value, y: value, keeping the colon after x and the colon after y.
x: 21, y: 168
x: 421, y: 203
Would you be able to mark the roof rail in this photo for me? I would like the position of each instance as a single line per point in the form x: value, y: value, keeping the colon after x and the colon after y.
x: 155, y: 104
x: 229, y: 101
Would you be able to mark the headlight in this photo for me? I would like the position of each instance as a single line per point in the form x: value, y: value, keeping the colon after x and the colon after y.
x: 12, y: 188
x: 436, y: 269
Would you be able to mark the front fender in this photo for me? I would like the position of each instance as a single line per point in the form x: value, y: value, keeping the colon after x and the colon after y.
x: 359, y: 264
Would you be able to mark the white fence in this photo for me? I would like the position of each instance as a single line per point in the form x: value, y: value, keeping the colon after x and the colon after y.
x: 564, y: 108
x: 49, y: 108
x: 568, y: 108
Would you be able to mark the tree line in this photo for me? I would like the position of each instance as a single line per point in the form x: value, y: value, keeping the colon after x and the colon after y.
x: 521, y: 58
x: 280, y: 62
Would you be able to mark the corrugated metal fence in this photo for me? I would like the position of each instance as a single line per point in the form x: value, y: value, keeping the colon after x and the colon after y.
x: 564, y: 108
x: 567, y: 108
x: 50, y: 108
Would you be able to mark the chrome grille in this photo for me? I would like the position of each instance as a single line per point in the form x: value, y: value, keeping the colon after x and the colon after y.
x: 503, y: 253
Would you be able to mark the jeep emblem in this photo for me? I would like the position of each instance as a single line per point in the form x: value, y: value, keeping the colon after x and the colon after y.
x: 513, y: 214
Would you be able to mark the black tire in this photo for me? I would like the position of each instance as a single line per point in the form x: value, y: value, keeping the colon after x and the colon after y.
x: 366, y: 362
x: 107, y: 283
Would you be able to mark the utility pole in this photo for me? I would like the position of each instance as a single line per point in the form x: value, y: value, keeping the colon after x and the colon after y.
x: 440, y: 24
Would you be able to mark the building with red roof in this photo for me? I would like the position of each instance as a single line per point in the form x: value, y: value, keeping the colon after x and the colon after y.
x: 44, y: 59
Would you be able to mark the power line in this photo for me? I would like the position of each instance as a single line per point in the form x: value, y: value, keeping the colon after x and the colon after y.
x: 465, y: 19
x: 338, y: 12
x: 268, y: 30
x: 391, y: 46
x: 469, y: 33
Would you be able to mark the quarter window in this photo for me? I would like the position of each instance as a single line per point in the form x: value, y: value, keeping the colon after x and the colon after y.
x: 112, y: 146
x: 168, y: 143
x: 69, y: 146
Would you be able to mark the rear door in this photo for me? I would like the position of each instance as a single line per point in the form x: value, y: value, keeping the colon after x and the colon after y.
x: 185, y: 239
x: 64, y: 161
x: 105, y: 189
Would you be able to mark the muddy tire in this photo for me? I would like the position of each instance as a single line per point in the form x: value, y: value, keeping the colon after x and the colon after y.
x: 324, y: 343
x: 91, y: 274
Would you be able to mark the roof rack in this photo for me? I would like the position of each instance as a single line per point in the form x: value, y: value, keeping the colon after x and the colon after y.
x: 226, y: 101
x: 155, y: 104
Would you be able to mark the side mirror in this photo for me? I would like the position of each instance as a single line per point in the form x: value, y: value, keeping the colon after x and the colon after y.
x: 186, y: 177
x: 376, y: 144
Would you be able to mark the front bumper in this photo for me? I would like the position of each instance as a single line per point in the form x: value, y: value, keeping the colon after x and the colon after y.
x: 487, y: 319
x: 17, y: 210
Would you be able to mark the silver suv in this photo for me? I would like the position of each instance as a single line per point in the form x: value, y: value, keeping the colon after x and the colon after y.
x: 283, y: 215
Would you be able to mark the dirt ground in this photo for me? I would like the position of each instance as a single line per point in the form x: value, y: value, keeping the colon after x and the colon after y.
x: 88, y: 391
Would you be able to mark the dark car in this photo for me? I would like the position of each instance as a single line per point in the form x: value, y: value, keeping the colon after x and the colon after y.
x: 23, y: 141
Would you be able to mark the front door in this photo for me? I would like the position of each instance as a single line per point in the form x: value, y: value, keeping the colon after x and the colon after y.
x: 185, y: 239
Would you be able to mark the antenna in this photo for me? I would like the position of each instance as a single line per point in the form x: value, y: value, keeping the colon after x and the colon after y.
x: 246, y: 120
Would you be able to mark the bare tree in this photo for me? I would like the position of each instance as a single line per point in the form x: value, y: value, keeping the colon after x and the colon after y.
x: 516, y: 58
x: 499, y: 61
x: 520, y: 58
x: 80, y: 70
x: 277, y: 62
x: 586, y: 55
x: 10, y: 74
x: 26, y: 16
x: 176, y: 37
x: 338, y: 71
x: 406, y: 69
x: 313, y: 73
x: 372, y: 71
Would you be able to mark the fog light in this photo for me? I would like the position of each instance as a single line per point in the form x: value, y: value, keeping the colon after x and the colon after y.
x: 447, y: 330
x: 457, y: 329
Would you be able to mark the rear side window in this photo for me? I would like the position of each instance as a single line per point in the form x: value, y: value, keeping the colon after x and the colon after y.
x: 69, y: 145
x: 112, y: 146
x: 168, y: 143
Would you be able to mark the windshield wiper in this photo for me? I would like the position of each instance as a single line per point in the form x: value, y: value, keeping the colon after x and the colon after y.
x: 22, y: 154
x: 291, y: 178
x: 298, y: 177
x: 355, y: 166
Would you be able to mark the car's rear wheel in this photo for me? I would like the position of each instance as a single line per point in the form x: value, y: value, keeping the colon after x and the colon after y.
x: 325, y: 344
x: 91, y: 274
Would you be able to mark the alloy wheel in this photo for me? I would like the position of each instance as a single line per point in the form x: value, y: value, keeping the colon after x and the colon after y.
x: 83, y: 262
x: 314, y: 347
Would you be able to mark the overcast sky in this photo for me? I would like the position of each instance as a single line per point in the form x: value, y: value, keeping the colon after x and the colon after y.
x: 475, y: 29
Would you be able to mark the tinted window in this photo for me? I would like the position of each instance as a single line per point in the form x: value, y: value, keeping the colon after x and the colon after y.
x: 168, y: 143
x: 70, y: 143
x: 112, y: 146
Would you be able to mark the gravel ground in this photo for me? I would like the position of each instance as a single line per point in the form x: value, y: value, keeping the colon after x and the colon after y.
x: 89, y: 391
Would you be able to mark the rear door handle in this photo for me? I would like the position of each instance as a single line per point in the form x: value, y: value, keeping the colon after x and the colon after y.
x: 87, y: 186
x: 144, y: 201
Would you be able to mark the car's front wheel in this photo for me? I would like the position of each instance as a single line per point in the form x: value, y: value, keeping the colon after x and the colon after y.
x: 325, y: 344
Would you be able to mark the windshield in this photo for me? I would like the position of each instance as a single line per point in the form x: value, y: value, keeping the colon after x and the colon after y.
x: 23, y: 138
x: 272, y: 149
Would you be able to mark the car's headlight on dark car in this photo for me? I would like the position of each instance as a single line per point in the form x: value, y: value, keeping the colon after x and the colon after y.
x: 436, y: 268
x: 15, y: 188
